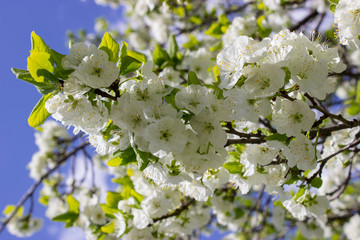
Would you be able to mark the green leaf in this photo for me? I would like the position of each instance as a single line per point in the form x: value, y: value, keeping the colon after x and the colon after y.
x: 136, y: 55
x: 59, y: 71
x: 173, y: 47
x: 110, y: 46
x: 123, y: 50
x: 233, y: 167
x: 299, y: 236
x: 316, y: 182
x: 264, y: 32
x: 223, y: 20
x: 44, y: 200
x: 137, y: 196
x: 214, y: 30
x: 9, y: 209
x: 278, y: 137
x: 335, y: 236
x: 108, y: 228
x: 23, y: 75
x: 217, y: 46
x: 192, y: 43
x: 334, y: 1
x: 39, y: 114
x: 37, y: 44
x: 160, y: 55
x: 143, y: 159
x: 122, y: 158
x: 126, y: 193
x: 128, y: 65
x: 193, y: 79
x: 130, y: 61
x: 357, y: 99
x: 287, y: 74
x: 109, y: 212
x: 332, y: 7
x: 56, y: 57
x: 112, y: 199
x: 73, y: 204
x: 195, y: 19
x: 353, y: 109
x: 40, y: 66
x: 69, y: 218
x: 124, y: 181
x: 43, y: 87
x: 180, y: 11
x: 170, y: 98
x: 299, y: 193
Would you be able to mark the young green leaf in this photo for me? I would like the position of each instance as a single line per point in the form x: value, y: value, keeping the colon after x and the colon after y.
x: 39, y: 64
x: 173, y: 48
x: 316, y: 182
x: 43, y: 87
x: 143, y: 159
x: 136, y: 55
x: 73, y: 204
x: 122, y: 158
x: 37, y: 44
x: 65, y: 217
x: 160, y: 55
x: 192, y: 43
x: 278, y: 137
x: 332, y: 7
x: 112, y: 199
x: 108, y: 228
x: 109, y: 212
x: 110, y: 46
x: 233, y: 167
x: 129, y: 64
x: 193, y: 79
x: 39, y: 114
x: 123, y: 50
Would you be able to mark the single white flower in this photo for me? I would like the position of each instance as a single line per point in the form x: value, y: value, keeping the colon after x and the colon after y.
x: 167, y: 134
x: 293, y: 117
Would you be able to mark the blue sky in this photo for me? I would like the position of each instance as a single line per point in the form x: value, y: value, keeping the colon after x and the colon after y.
x: 50, y: 19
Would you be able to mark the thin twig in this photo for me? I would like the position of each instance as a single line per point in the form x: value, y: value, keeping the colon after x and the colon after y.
x: 306, y: 19
x: 176, y: 212
x: 33, y: 188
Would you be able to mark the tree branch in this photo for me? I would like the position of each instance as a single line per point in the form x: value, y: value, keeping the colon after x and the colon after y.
x: 33, y: 188
x: 176, y: 212
x: 308, y: 18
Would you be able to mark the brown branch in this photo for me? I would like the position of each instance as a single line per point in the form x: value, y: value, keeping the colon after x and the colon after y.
x: 245, y: 141
x: 325, y: 160
x: 251, y: 138
x: 322, y: 16
x: 174, y: 213
x: 354, y: 143
x: 323, y: 132
x: 231, y: 130
x: 341, y: 188
x: 318, y: 107
x: 210, y: 19
x: 104, y: 94
x: 308, y: 18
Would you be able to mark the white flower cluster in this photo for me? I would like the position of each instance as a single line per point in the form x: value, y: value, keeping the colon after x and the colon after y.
x: 184, y: 137
x: 51, y: 135
x: 24, y: 226
x: 262, y: 65
x: 347, y: 18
